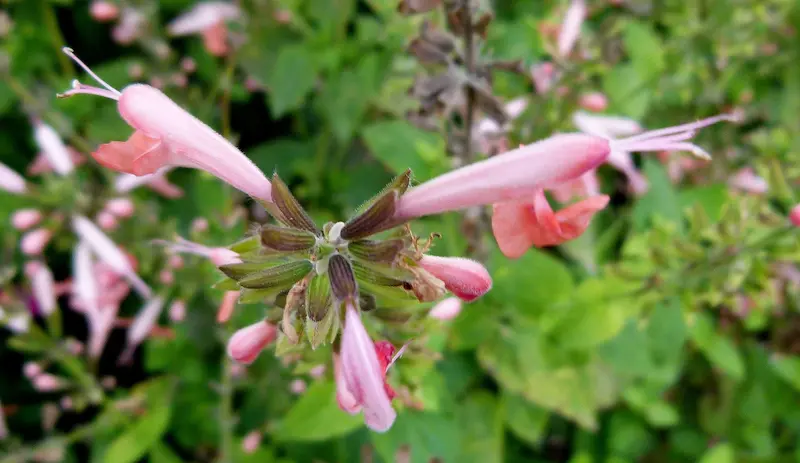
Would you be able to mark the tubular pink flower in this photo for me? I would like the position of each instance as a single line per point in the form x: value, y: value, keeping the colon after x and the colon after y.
x: 156, y: 181
x: 103, y: 11
x: 227, y: 306
x: 106, y: 250
x: 141, y: 326
x: 571, y: 27
x: 519, y: 225
x: 506, y: 177
x: 582, y: 187
x: 53, y: 148
x: 167, y: 135
x: 46, y: 382
x: 120, y: 207
x: 207, y: 19
x: 364, y: 378
x: 447, y: 309
x: 11, y: 181
x: 794, y: 215
x: 42, y: 286
x: 593, y: 101
x: 177, y: 311
x: 85, y: 286
x: 23, y: 219
x: 219, y: 256
x: 347, y: 402
x: 746, y: 180
x: 34, y: 242
x: 674, y: 138
x: 247, y: 343
x: 465, y: 278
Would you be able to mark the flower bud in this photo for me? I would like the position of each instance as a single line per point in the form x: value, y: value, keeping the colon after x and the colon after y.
x: 594, y: 101
x: 34, y: 242
x: 465, y: 278
x: 120, y: 207
x: 247, y: 343
x: 794, y: 215
x: 297, y: 387
x: 31, y: 370
x: 103, y: 11
x: 251, y: 442
x: 107, y: 221
x: 177, y: 311
x: 23, y: 219
x: 46, y: 382
x: 447, y: 309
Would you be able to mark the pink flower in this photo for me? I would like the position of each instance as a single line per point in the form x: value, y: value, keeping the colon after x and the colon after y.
x: 144, y: 322
x: 53, y: 148
x: 317, y: 371
x: 519, y: 225
x: 207, y: 19
x: 297, y: 386
x: 506, y: 177
x: 794, y: 215
x: 130, y: 26
x: 227, y: 306
x: 447, y: 309
x: 571, y: 27
x: 103, y: 11
x: 746, y: 180
x: 43, y: 287
x: 107, y: 221
x: 251, y: 442
x: 11, y: 181
x: 167, y: 135
x: 23, y: 219
x: 120, y: 207
x: 41, y: 164
x: 361, y: 377
x: 544, y: 76
x: 46, y: 382
x: 31, y: 370
x: 465, y: 278
x: 582, y: 187
x: 177, y: 311
x: 108, y: 252
x: 157, y: 182
x: 247, y: 343
x: 219, y: 256
x: 34, y: 242
x: 594, y: 101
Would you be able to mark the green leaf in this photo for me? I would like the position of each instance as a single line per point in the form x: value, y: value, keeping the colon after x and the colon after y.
x: 788, y: 368
x: 427, y: 436
x: 291, y: 79
x: 526, y: 420
x: 162, y: 453
x: 628, y: 92
x: 627, y: 352
x: 481, y: 421
x: 316, y: 416
x: 644, y: 48
x: 711, y: 197
x: 137, y: 439
x: 718, y: 349
x: 660, y: 200
x: 400, y: 146
x: 721, y: 453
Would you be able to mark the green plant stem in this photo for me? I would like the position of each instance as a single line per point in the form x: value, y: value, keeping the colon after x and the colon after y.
x: 226, y: 418
x: 51, y: 23
x: 226, y: 97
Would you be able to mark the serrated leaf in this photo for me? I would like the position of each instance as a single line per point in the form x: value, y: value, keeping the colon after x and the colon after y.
x: 291, y: 79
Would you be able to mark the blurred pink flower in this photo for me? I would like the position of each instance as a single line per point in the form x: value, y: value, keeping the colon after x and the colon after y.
x: 571, y: 27
x: 361, y: 380
x: 167, y: 135
x: 209, y: 20
x: 177, y: 311
x: 227, y: 306
x: 11, y: 181
x: 247, y: 343
x: 794, y: 215
x: 593, y: 101
x: 156, y: 181
x: 519, y: 225
x: 251, y: 442
x: 43, y: 286
x: 140, y: 328
x: 41, y: 164
x: 297, y: 386
x: 103, y: 11
x: 544, y: 75
x: 53, y: 148
x: 107, y: 221
x: 23, y: 219
x: 31, y: 370
x: 34, y: 242
x: 46, y: 382
x: 745, y: 179
x: 120, y: 207
x: 108, y: 252
x: 129, y: 27
x: 465, y: 278
x: 447, y: 309
x: 219, y: 256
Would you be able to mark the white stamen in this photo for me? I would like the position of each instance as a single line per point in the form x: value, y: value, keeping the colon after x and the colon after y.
x: 397, y: 355
x: 71, y: 53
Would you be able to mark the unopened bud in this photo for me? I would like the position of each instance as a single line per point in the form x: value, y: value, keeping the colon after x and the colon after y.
x: 31, y: 370
x: 794, y: 216
x: 34, y: 242
x: 177, y: 311
x: 247, y: 343
x: 594, y: 101
x: 447, y: 309
x: 103, y: 11
x: 298, y: 386
x: 120, y: 207
x: 251, y: 442
x: 107, y: 221
x: 23, y: 219
x: 46, y: 382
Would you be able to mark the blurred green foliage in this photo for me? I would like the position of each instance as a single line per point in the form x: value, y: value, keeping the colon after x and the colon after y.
x: 667, y: 332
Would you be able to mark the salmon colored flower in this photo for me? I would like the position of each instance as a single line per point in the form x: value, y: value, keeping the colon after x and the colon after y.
x: 167, y: 135
x: 465, y: 278
x: 519, y: 225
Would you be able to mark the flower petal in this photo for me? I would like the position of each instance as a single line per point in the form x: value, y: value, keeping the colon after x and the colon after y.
x: 465, y: 278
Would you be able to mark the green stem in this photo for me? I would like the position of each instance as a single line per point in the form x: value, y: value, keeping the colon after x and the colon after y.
x: 51, y: 23
x: 226, y: 417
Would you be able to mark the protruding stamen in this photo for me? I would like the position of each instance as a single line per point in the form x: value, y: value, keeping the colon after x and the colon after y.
x: 79, y: 88
x: 71, y: 53
x: 689, y: 127
x: 397, y: 356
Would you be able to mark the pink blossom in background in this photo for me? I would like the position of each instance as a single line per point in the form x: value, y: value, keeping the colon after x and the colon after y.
x: 571, y: 27
x: 103, y: 11
x: 120, y: 207
x: 156, y: 181
x: 142, y: 325
x: 318, y: 371
x: 31, y: 370
x: 188, y: 65
x: 593, y: 101
x: 107, y: 221
x: 297, y: 386
x: 794, y: 215
x: 41, y: 164
x: 46, y: 382
x: 23, y: 219
x: 544, y: 75
x: 177, y: 311
x: 247, y: 343
x: 209, y: 20
x: 43, y: 286
x: 227, y: 306
x: 361, y: 377
x: 166, y: 277
x: 53, y: 148
x: 129, y: 27
x: 251, y: 442
x: 519, y: 225
x: 34, y: 242
x: 465, y: 278
x: 447, y: 309
x: 11, y: 181
x: 746, y: 180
